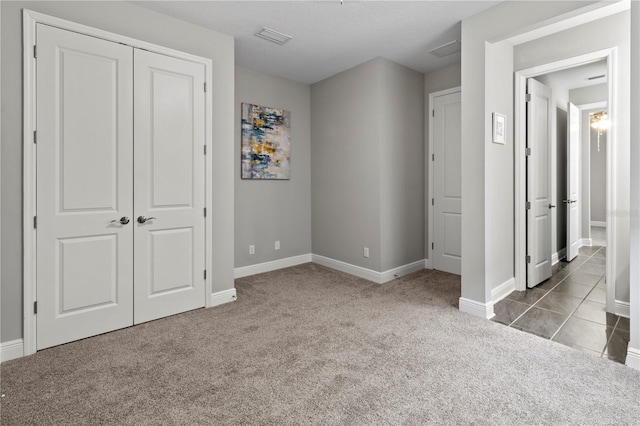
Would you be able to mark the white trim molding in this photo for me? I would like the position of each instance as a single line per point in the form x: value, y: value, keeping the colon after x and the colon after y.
x: 428, y: 264
x: 633, y: 358
x: 478, y: 309
x: 622, y: 308
x: 586, y: 242
x: 503, y: 290
x: 368, y: 274
x: 260, y: 268
x: 11, y: 350
x: 560, y: 254
x: 222, y: 297
x: 598, y: 223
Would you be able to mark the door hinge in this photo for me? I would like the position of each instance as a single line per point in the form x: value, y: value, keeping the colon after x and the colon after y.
x: 527, y: 205
x: 527, y: 151
x: 35, y: 222
x: 433, y: 157
x: 433, y: 112
x: 527, y: 97
x: 35, y: 307
x: 35, y: 136
x: 432, y: 202
x: 35, y: 51
x: 432, y: 246
x: 205, y: 86
x: 205, y: 150
x: 205, y: 212
x: 205, y: 274
x: 528, y: 259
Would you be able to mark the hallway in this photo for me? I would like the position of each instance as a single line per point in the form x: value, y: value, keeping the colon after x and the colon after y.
x: 569, y: 308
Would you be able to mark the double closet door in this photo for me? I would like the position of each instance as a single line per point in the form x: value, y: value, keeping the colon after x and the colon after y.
x: 120, y: 230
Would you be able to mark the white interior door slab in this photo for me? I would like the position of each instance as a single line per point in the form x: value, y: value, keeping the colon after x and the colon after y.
x: 539, y: 111
x: 169, y: 190
x: 84, y: 186
x: 447, y: 185
x: 573, y: 183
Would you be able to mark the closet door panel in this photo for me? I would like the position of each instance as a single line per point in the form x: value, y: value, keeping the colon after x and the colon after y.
x: 169, y: 186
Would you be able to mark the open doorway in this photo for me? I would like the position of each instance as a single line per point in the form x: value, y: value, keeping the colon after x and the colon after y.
x: 562, y: 289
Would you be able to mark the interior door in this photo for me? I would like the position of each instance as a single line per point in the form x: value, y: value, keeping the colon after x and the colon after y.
x: 539, y: 202
x: 572, y: 201
x: 169, y: 190
x: 84, y: 186
x: 447, y: 188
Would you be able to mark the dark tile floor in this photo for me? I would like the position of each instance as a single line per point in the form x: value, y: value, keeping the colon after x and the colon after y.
x: 569, y: 308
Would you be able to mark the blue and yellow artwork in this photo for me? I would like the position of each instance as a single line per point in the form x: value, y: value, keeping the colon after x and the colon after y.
x: 266, y: 142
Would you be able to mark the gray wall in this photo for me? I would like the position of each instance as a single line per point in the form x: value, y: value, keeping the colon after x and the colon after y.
x: 366, y: 166
x: 598, y: 176
x: 266, y: 211
x: 605, y: 33
x: 435, y: 81
x: 402, y: 218
x: 133, y: 21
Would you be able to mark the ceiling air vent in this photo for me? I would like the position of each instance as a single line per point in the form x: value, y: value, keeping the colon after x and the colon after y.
x: 596, y: 77
x: 446, y: 49
x: 273, y: 36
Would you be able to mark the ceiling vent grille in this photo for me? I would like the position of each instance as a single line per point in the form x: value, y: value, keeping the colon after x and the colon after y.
x: 596, y: 77
x: 273, y: 36
x: 446, y: 49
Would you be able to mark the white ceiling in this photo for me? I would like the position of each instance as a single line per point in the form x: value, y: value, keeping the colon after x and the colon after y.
x: 577, y: 77
x: 329, y: 37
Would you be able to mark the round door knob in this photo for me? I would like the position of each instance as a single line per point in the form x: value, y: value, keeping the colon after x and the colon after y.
x: 142, y: 219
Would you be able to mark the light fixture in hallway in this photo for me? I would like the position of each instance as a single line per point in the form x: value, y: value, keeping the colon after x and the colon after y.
x: 599, y: 121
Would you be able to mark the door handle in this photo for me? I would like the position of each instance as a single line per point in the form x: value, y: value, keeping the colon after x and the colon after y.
x: 552, y: 206
x: 142, y: 219
x: 123, y: 220
x: 569, y: 201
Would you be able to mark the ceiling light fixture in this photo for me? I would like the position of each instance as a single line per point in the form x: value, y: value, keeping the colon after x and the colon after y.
x: 446, y: 49
x: 273, y: 36
x: 600, y: 123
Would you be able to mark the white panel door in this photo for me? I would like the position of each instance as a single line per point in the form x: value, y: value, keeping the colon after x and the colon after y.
x: 169, y: 186
x: 447, y: 187
x: 538, y: 183
x: 572, y: 201
x: 84, y: 186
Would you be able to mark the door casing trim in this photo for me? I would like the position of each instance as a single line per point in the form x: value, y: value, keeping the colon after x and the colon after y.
x: 610, y: 55
x: 30, y: 19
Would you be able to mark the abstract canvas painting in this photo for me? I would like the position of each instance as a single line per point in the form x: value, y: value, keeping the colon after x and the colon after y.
x: 266, y: 142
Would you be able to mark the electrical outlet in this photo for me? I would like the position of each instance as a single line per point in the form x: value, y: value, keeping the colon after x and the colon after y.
x: 366, y: 252
x: 277, y: 245
x: 252, y: 249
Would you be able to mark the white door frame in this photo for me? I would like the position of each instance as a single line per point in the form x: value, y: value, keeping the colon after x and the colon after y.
x: 519, y: 170
x: 30, y: 19
x: 432, y: 97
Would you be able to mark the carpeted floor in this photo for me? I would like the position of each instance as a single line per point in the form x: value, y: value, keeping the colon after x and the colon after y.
x: 309, y: 345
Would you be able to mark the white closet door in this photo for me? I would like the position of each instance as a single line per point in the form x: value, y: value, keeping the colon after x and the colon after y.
x: 447, y: 185
x: 84, y: 184
x: 169, y: 186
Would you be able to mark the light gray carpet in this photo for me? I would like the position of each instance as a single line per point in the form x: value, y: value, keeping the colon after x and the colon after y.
x: 308, y: 345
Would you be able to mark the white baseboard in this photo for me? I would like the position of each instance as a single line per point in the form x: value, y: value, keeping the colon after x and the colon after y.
x: 428, y: 264
x: 586, y: 242
x: 261, y: 268
x: 599, y: 224
x: 503, y: 290
x: 482, y: 310
x: 368, y: 274
x: 394, y: 273
x: 633, y: 358
x: 622, y: 308
x: 11, y: 350
x: 222, y: 297
x: 560, y: 254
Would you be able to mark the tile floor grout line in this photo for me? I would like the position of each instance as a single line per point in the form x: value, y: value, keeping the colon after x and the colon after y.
x: 606, y: 345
